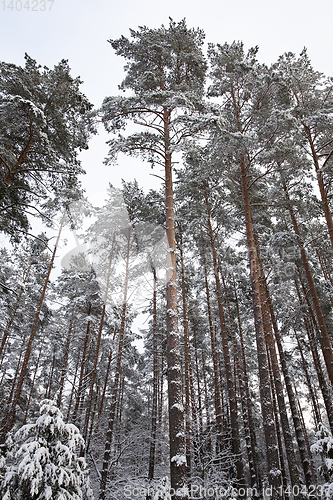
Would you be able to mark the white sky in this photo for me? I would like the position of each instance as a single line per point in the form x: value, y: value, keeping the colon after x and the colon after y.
x: 78, y: 30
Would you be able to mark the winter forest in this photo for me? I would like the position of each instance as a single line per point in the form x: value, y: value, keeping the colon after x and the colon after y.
x: 226, y: 393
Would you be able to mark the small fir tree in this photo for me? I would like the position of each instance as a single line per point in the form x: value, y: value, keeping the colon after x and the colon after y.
x: 44, y: 463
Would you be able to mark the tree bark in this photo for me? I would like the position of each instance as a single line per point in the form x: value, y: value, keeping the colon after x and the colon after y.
x: 178, y: 468
x: 274, y: 473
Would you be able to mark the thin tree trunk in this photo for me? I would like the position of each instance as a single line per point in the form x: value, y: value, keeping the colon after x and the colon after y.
x: 288, y: 439
x: 101, y: 404
x: 291, y: 395
x: 265, y: 392
x: 49, y: 386
x: 98, y: 343
x: 73, y: 387
x: 277, y: 427
x: 199, y: 402
x: 319, y: 172
x: 217, y: 393
x: 10, y: 322
x: 33, y: 380
x: 78, y: 402
x: 315, y: 408
x: 111, y: 422
x: 325, y: 390
x: 255, y: 476
x: 226, y: 354
x: 242, y: 390
x: 187, y: 358
x: 9, y: 422
x: 152, y: 449
x: 65, y: 362
x: 326, y: 343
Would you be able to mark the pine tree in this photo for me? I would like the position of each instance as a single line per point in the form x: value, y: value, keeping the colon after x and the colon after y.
x: 45, y: 463
x: 44, y: 121
x: 165, y: 72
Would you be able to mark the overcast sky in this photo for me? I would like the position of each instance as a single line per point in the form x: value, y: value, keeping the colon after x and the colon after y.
x: 78, y: 30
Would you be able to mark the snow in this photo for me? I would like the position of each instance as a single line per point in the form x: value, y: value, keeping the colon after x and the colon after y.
x: 179, y: 460
x: 46, y: 459
x: 178, y: 406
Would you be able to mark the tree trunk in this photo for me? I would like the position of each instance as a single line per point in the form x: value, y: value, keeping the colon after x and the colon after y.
x: 252, y: 445
x: 276, y: 377
x: 226, y: 355
x: 326, y: 343
x: 64, y: 365
x: 78, y: 402
x: 73, y: 387
x: 242, y: 391
x: 152, y: 449
x: 320, y: 180
x: 291, y: 395
x: 314, y: 401
x: 325, y: 390
x: 217, y: 393
x: 33, y: 380
x: 10, y: 322
x: 98, y: 343
x: 265, y: 392
x: 111, y: 422
x: 178, y: 468
x: 187, y: 358
x: 8, y: 424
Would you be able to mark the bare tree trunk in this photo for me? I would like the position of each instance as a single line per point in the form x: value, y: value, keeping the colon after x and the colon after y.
x: 101, y: 404
x: 320, y: 180
x: 325, y: 390
x: 49, y: 386
x: 278, y: 428
x: 276, y: 378
x: 73, y: 387
x: 314, y: 401
x: 291, y: 395
x: 242, y: 390
x: 252, y: 446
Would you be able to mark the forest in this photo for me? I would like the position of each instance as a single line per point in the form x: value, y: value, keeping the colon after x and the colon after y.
x: 226, y: 391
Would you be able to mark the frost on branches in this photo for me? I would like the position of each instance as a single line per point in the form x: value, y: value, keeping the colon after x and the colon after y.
x: 324, y: 447
x: 44, y: 462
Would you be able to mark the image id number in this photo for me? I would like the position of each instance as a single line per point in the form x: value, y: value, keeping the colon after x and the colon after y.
x: 27, y: 5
